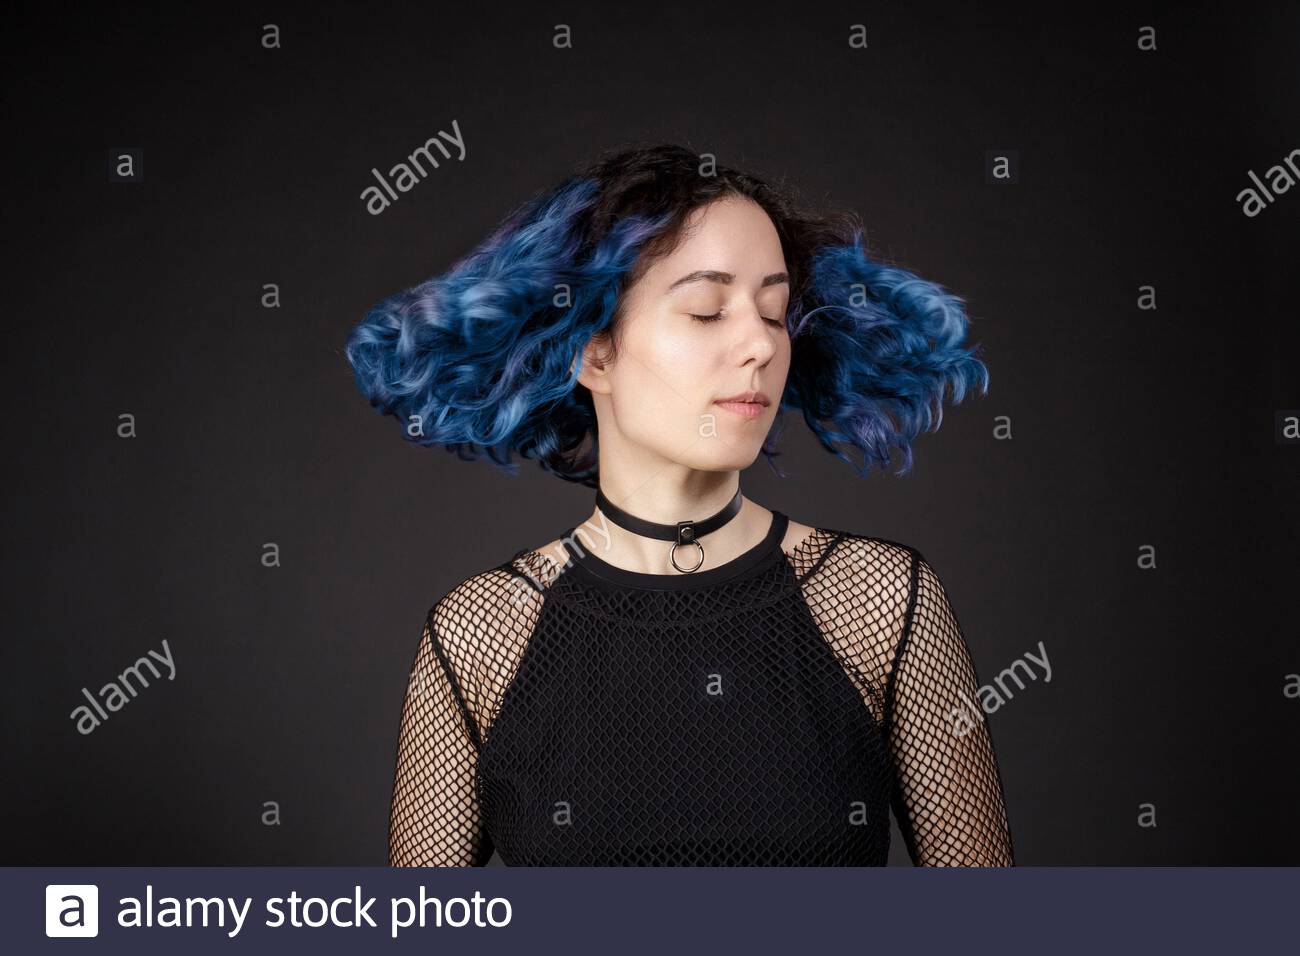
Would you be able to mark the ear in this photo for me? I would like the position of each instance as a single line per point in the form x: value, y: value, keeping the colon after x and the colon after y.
x: 595, y: 364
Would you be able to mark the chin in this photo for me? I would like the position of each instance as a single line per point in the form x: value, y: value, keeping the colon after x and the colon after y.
x: 737, y: 458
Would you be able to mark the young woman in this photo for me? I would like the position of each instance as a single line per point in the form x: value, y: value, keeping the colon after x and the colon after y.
x: 685, y: 677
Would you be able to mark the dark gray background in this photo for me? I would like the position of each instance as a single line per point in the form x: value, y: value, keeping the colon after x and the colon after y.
x: 1130, y: 427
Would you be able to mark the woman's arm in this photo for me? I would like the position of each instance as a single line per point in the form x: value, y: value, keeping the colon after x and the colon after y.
x: 948, y: 791
x: 435, y: 818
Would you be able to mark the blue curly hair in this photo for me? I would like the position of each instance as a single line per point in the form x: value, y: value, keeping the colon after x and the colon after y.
x: 484, y: 358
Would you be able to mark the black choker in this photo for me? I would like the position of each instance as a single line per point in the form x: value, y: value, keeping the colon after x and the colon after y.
x: 683, y: 532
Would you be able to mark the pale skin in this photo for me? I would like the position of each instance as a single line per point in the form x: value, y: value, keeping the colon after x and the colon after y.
x: 668, y: 451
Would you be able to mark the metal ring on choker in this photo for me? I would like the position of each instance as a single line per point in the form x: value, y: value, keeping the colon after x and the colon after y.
x: 681, y: 533
x: 672, y: 556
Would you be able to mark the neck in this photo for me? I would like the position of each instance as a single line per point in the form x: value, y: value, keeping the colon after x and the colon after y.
x: 667, y: 498
x: 666, y: 503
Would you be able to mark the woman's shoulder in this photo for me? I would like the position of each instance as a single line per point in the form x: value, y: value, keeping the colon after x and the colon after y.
x: 554, y: 551
x: 852, y: 554
x: 492, y: 597
x: 799, y: 533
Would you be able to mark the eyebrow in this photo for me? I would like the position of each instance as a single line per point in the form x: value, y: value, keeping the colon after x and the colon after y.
x: 726, y: 278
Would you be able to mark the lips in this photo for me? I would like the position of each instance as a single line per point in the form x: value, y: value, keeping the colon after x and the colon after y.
x: 748, y: 405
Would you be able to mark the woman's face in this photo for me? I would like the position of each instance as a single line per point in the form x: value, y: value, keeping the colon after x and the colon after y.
x: 663, y: 394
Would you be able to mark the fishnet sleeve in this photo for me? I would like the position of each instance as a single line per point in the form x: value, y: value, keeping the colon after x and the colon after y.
x: 435, y: 818
x: 948, y: 791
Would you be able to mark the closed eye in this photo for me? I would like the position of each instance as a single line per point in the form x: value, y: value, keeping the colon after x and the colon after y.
x: 718, y: 315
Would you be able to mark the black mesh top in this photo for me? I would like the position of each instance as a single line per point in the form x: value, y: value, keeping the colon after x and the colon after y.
x: 764, y: 712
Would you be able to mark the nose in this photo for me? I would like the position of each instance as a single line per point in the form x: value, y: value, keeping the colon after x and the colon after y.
x: 757, y: 338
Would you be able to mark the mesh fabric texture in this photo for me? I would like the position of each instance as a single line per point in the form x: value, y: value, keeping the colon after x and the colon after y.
x: 765, y: 712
